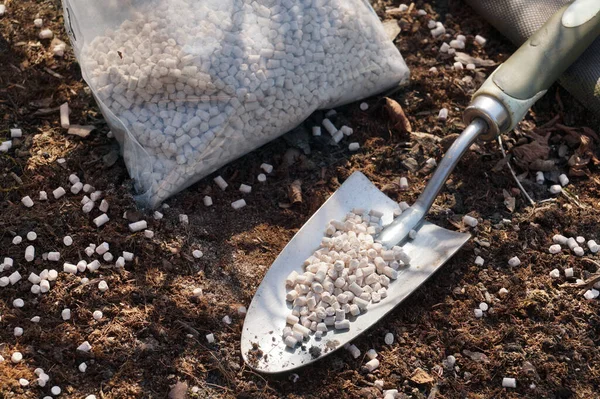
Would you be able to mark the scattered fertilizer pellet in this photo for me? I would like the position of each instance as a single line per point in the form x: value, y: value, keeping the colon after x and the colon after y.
x: 23, y: 382
x: 31, y: 236
x: 514, y: 261
x: 27, y: 201
x: 457, y: 44
x: 555, y: 189
x: 221, y: 182
x: 108, y: 257
x: 197, y: 292
x: 246, y: 189
x: 208, y: 200
x: 18, y: 331
x: 439, y: 30
x: 593, y: 246
x: 84, y: 347
x: 431, y: 24
x: 29, y: 253
x: 389, y: 339
x: 364, y: 106
x: 470, y: 221
x: 66, y: 314
x: 197, y: 254
x: 471, y: 67
x: 128, y: 256
x: 138, y: 226
x: 433, y: 70
x: 96, y: 195
x: 267, y: 168
x: 443, y: 114
x: 578, y: 251
x: 38, y: 22
x: 226, y: 319
x: 480, y: 40
x: 46, y: 34
x: 81, y: 266
x: 444, y: 48
x: 43, y: 196
x: 502, y: 292
x: 555, y: 273
x: 2, y: 10
x: 563, y: 179
x: 379, y: 384
x: 157, y: 215
x: 479, y: 261
x: 54, y: 256
x: 14, y: 278
x: 372, y: 365
x: 210, y: 338
x: 64, y: 117
x: 239, y: 204
x: 554, y: 249
x: 16, y: 133
x: 572, y: 243
x: 483, y: 306
x: 87, y: 188
x: 421, y: 13
x: 569, y: 272
x: 16, y: 357
x: 316, y: 131
x: 183, y: 219
x: 55, y: 390
x: 147, y: 234
x: 353, y: 146
x: 580, y: 240
x: 347, y: 131
x: 17, y: 240
x: 103, y: 206
x: 354, y: 351
x: 101, y: 220
x: 478, y: 313
x: 70, y: 268
x: 261, y: 178
x: 329, y: 126
x: 82, y: 367
x: 103, y: 286
x: 59, y: 192
x: 68, y: 241
x: 97, y: 315
x: 509, y: 382
x: 88, y: 206
x: 458, y: 66
x: 539, y: 177
x: 241, y: 310
x: 403, y: 183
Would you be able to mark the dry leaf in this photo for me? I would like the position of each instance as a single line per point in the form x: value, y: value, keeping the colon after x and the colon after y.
x: 501, y: 164
x: 295, y: 192
x: 538, y: 149
x: 420, y: 376
x: 397, y: 115
x: 509, y: 201
x: 582, y: 157
x: 476, y: 356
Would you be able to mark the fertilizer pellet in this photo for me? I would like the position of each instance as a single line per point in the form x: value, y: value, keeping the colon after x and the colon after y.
x: 471, y: 67
x: 97, y: 315
x: 580, y: 240
x: 183, y: 219
x: 444, y: 48
x: 578, y: 251
x: 328, y: 125
x: 514, y: 261
x: 559, y: 239
x: 403, y: 184
x: 18, y: 303
x: 372, y: 365
x: 354, y: 351
x: 470, y: 221
x: 572, y: 243
x: 46, y: 34
x: 87, y: 188
x: 479, y: 261
x: 82, y: 367
x: 239, y: 204
x: 157, y: 215
x: 502, y: 292
x: 29, y: 253
x: 316, y: 131
x: 96, y: 195
x: 68, y: 241
x: 389, y: 339
x: 17, y: 240
x: 364, y: 106
x: 555, y: 273
x: 353, y: 147
x: 569, y: 272
x: 443, y: 114
x: 457, y: 44
x: 43, y: 196
x: 555, y: 189
x: 462, y: 38
x: 59, y: 192
x: 509, y: 382
x: 27, y: 201
x: 54, y: 256
x: 16, y: 133
x: 66, y: 314
x: 539, y: 177
x: 220, y: 182
x: 138, y: 226
x: 18, y: 331
x: 267, y: 168
x: 208, y: 200
x: 38, y: 22
x: 458, y: 66
x: 197, y: 292
x: 480, y: 40
x: 246, y: 189
x: 76, y: 188
x: 108, y: 257
x: 197, y: 254
x: 439, y: 30
x: 478, y: 313
x: 103, y: 206
x: 554, y: 249
x: 347, y: 131
x: 148, y: 234
x: 128, y: 256
x: 421, y: 13
x: 14, y: 278
x: 82, y: 266
x: 210, y: 338
x: 226, y: 319
x: 102, y: 286
x: 371, y: 354
x: 431, y: 24
x: 31, y: 236
x: 100, y: 220
x: 70, y: 268
x: 593, y: 247
x: 483, y: 306
x: 261, y: 178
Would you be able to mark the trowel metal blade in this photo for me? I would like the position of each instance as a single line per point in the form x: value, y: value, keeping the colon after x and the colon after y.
x: 262, y: 345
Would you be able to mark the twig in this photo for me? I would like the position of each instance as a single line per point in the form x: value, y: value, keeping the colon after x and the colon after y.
x: 512, y: 172
x: 571, y: 197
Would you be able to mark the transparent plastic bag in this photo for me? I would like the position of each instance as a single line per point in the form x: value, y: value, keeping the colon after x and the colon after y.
x: 190, y: 85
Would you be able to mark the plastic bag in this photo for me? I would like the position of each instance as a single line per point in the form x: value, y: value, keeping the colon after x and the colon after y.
x: 188, y: 86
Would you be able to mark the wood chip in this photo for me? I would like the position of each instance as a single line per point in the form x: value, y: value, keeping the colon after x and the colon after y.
x: 421, y: 377
x: 295, y: 192
x: 397, y: 115
x: 81, y: 130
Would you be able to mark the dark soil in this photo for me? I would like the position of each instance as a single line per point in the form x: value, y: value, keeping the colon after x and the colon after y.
x: 153, y: 332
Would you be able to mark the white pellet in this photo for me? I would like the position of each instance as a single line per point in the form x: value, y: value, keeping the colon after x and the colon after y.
x: 353, y: 146
x: 221, y: 182
x: 16, y: 357
x: 471, y: 67
x: 68, y: 241
x: 479, y: 261
x: 246, y: 189
x: 458, y: 66
x: 443, y: 114
x: 554, y: 249
x: 555, y: 273
x: 572, y: 243
x: 82, y: 266
x: 389, y: 339
x: 421, y: 13
x: 559, y: 239
x: 502, y: 292
x: 128, y: 256
x: 87, y: 188
x: 210, y: 338
x: 267, y: 168
x: 2, y: 10
x: 27, y: 201
x: 54, y: 256
x: 457, y: 44
x: 96, y: 195
x: 17, y: 240
x: 16, y: 133
x: 82, y: 367
x: 470, y: 221
x: 64, y: 117
x: 226, y: 319
x: 43, y: 196
x: 46, y: 34
x: 439, y: 30
x: 102, y: 286
x: 444, y: 48
x: 148, y: 234
x: 138, y: 226
x: 462, y: 38
x: 18, y: 303
x: 346, y: 130
x: 197, y: 254
x: 197, y: 292
x: 478, y: 313
x: 238, y: 204
x: 59, y: 192
x: 578, y: 251
x: 261, y: 178
x: 108, y: 257
x: 31, y: 236
x: 157, y: 215
x: 14, y: 278
x: 66, y: 314
x: 18, y: 331
x: 371, y: 354
x: 580, y: 240
x: 555, y: 189
x: 539, y: 177
x: 514, y: 261
x: 38, y: 22
x: 207, y: 200
x: 103, y: 206
x: 183, y: 219
x: 403, y: 184
x: 29, y: 253
x: 316, y: 131
x: 354, y: 351
x: 364, y: 106
x: 569, y: 272
x: 431, y: 24
x: 371, y: 365
x: 480, y: 40
x: 100, y: 220
x: 76, y: 188
x: 509, y: 382
x: 328, y: 125
x: 70, y: 268
x: 97, y: 315
x: 483, y: 306
x: 34, y: 278
x: 593, y: 247
x: 84, y: 347
x: 563, y: 179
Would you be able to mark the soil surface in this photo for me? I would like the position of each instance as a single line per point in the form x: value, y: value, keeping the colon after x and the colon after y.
x: 152, y: 336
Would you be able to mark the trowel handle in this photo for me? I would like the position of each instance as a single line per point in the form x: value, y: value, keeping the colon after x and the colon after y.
x: 506, y: 96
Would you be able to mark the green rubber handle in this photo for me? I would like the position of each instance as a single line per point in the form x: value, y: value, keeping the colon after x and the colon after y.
x: 538, y: 63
